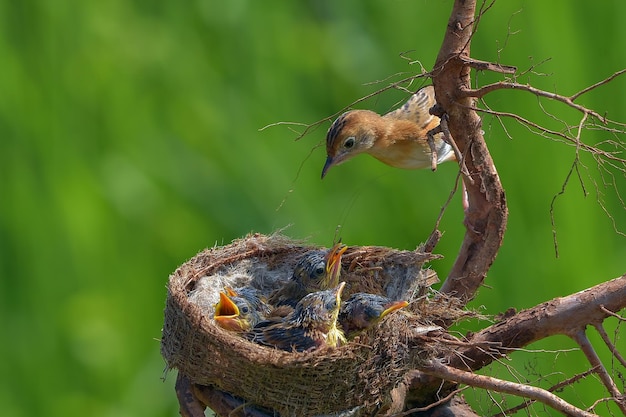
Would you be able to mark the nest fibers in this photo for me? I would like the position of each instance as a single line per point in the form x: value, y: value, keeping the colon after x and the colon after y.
x: 325, y: 381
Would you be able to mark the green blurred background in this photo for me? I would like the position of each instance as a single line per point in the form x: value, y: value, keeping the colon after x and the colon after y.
x: 129, y: 141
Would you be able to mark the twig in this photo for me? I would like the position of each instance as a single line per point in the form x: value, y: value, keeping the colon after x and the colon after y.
x: 598, y: 84
x: 554, y: 197
x: 581, y: 338
x: 311, y: 126
x: 488, y: 66
x: 562, y: 315
x: 486, y: 382
x: 574, y: 167
x: 482, y: 91
x: 431, y: 405
x: 612, y: 313
x: 435, y: 235
x: 528, y: 123
x: 562, y: 384
x: 609, y: 343
x: 598, y: 401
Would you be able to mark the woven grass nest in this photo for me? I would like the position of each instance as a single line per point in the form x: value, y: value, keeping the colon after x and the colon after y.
x: 360, y: 374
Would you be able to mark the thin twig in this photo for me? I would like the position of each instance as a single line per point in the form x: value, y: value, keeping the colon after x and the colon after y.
x: 574, y: 167
x: 502, y: 85
x: 581, y: 338
x: 309, y: 127
x: 598, y: 401
x: 431, y: 405
x: 612, y: 313
x: 486, y: 382
x: 607, y: 340
x: 553, y: 388
x: 488, y: 66
x: 528, y: 123
x: 598, y: 84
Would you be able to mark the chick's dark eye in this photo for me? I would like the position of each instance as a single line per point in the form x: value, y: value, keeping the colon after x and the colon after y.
x: 349, y: 143
x: 245, y: 309
x: 319, y: 269
x: 331, y: 305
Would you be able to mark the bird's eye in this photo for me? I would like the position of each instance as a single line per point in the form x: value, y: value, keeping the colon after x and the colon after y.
x: 349, y: 143
x: 331, y: 305
x: 244, y: 309
x: 320, y: 269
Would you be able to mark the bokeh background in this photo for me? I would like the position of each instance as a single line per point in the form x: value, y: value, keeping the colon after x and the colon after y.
x: 130, y: 140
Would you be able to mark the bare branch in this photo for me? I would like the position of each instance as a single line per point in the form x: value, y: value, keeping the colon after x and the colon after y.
x: 482, y: 91
x: 598, y: 84
x: 558, y: 316
x: 448, y: 373
x: 543, y: 130
x: 581, y: 338
x: 612, y: 313
x: 487, y: 214
x: 560, y: 385
x: 560, y: 193
x: 573, y: 168
x: 431, y: 405
x: 488, y: 66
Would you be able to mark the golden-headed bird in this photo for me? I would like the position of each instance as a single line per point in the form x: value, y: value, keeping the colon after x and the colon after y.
x: 362, y: 311
x: 317, y: 270
x: 312, y: 324
x: 398, y: 139
x: 240, y: 309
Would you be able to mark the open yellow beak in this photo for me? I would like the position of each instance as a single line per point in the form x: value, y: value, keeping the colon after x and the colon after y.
x: 227, y: 314
x: 333, y: 264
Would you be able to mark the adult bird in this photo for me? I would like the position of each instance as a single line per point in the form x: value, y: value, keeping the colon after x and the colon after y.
x: 317, y: 270
x: 399, y: 138
x: 311, y: 325
x: 363, y: 311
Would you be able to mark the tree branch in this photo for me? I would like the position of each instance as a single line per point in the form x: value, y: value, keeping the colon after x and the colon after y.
x: 543, y: 130
x: 560, y: 385
x: 448, y: 373
x: 488, y: 66
x: 581, y: 338
x: 487, y: 213
x: 563, y: 315
x: 598, y: 84
x: 482, y: 91
x: 558, y: 316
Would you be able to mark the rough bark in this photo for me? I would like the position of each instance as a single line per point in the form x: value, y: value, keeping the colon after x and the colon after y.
x: 486, y: 216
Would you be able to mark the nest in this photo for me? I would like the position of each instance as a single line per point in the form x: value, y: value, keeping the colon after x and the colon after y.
x: 361, y: 373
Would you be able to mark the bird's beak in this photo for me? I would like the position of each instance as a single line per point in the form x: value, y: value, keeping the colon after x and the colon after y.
x: 230, y: 292
x: 227, y: 314
x: 397, y: 305
x: 226, y: 306
x: 329, y: 163
x: 338, y: 291
x: 333, y: 263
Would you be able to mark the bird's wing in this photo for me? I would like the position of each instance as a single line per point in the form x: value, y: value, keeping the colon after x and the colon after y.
x: 275, y: 333
x: 416, y: 109
x: 282, y: 337
x: 290, y: 338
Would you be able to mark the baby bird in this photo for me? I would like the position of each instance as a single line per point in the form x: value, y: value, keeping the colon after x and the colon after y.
x: 240, y: 309
x: 317, y: 270
x: 363, y: 311
x: 398, y: 138
x: 312, y: 324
